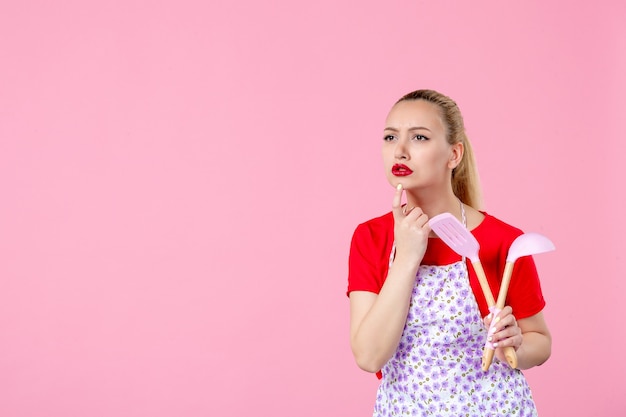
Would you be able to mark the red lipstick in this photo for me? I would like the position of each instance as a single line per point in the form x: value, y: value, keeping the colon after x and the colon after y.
x: 400, y: 170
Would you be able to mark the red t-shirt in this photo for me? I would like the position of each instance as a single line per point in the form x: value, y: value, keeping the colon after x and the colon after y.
x: 372, y: 242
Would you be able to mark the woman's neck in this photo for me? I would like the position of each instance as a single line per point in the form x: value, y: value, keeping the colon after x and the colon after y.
x: 434, y: 205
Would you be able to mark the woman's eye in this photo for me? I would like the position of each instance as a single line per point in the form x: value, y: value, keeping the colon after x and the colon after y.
x: 420, y: 137
x: 388, y: 138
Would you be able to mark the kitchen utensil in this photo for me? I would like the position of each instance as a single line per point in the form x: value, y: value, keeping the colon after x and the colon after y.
x: 463, y: 242
x: 523, y: 245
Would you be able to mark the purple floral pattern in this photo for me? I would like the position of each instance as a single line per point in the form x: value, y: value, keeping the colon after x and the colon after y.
x: 436, y: 370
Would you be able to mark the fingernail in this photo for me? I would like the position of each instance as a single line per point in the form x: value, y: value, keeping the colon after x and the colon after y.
x: 489, y: 339
x: 495, y: 345
x: 492, y: 330
x: 497, y: 319
x: 399, y: 187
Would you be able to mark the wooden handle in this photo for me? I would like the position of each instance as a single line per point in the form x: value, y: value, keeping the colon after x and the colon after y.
x: 484, y: 285
x: 487, y: 358
x: 509, y: 351
x: 504, y: 285
x: 511, y: 356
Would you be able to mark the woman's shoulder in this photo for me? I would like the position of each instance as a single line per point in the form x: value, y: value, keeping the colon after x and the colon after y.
x: 494, y: 229
x: 376, y: 232
x: 379, y: 224
x: 492, y: 222
x: 372, y: 242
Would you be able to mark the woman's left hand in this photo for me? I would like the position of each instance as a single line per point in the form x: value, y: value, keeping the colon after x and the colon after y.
x: 505, y: 331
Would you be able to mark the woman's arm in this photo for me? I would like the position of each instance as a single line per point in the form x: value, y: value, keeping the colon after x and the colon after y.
x: 377, y: 320
x: 537, y: 344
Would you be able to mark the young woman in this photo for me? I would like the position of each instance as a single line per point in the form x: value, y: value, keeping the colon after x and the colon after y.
x: 416, y: 307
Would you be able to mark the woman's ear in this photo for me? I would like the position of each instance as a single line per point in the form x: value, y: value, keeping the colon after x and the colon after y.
x: 456, y: 155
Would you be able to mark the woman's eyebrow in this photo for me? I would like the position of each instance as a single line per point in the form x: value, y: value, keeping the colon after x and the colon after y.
x: 393, y: 129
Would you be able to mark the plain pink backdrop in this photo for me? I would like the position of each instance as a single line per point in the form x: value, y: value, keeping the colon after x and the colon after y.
x: 180, y: 181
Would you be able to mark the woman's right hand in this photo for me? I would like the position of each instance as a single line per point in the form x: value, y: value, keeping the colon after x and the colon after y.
x: 411, y: 230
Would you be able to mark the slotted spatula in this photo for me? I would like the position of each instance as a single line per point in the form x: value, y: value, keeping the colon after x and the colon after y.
x: 461, y: 240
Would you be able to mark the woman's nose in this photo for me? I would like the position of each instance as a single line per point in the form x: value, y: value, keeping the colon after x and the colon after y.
x: 401, y: 152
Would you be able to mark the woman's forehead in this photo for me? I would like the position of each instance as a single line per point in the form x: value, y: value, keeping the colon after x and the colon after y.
x: 415, y: 113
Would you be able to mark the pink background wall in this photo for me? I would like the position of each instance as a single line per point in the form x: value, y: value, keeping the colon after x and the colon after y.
x: 180, y: 181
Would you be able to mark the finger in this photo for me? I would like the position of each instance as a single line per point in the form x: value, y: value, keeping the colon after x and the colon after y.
x: 505, y: 322
x: 508, y: 332
x: 396, y: 205
x: 503, y: 316
x: 503, y: 340
x: 414, y: 213
x: 488, y: 318
x: 422, y: 221
x: 418, y: 218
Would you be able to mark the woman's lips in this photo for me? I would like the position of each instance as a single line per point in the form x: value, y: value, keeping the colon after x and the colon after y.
x: 400, y: 170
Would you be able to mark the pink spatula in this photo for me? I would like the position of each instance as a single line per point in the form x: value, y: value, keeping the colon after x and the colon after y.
x: 461, y: 240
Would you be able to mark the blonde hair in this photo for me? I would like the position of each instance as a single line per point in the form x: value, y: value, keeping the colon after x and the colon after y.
x: 465, y: 180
